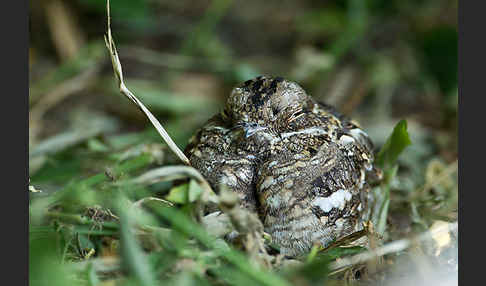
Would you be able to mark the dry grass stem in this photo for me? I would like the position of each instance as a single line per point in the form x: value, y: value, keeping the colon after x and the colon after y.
x: 148, y: 199
x: 66, y: 34
x: 168, y: 173
x: 110, y: 45
x: 392, y: 247
x: 177, y: 172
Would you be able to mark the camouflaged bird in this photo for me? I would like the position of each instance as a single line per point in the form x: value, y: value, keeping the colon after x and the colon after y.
x: 300, y: 164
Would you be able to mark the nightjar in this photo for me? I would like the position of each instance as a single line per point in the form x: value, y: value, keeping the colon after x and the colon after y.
x: 300, y: 164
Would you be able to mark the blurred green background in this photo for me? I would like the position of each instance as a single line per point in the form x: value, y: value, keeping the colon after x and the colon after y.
x: 378, y: 61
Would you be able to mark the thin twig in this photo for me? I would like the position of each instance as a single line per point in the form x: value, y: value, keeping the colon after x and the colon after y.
x: 117, y: 68
x: 170, y: 173
x: 392, y: 247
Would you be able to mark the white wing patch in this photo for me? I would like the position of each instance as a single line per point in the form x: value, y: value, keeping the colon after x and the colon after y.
x: 337, y: 199
x: 346, y: 140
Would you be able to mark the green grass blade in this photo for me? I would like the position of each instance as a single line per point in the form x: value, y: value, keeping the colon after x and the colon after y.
x: 185, y: 225
x: 394, y: 146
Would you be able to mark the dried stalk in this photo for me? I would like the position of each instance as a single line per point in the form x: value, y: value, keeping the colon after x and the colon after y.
x: 392, y: 247
x: 66, y: 34
x: 117, y: 68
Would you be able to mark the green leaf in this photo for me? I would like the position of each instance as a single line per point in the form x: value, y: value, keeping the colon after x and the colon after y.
x: 394, y: 146
x: 313, y: 273
x: 97, y: 146
x: 182, y: 223
x: 134, y: 259
x: 386, y: 158
x: 231, y: 275
x: 179, y: 194
x: 382, y: 201
x: 84, y: 242
x: 92, y: 277
x: 383, y: 214
x: 45, y: 267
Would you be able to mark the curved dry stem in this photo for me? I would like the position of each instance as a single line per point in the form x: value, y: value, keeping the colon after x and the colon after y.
x: 169, y: 173
x: 117, y: 68
x: 392, y: 247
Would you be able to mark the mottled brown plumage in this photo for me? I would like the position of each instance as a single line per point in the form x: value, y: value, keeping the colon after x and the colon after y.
x: 300, y: 164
